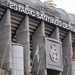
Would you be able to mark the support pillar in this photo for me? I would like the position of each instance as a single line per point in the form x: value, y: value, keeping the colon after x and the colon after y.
x: 24, y: 38
x: 55, y: 35
x: 5, y: 36
x: 67, y: 49
x: 38, y: 38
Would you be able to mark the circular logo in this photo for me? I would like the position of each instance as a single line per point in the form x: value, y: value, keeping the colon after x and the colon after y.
x: 54, y: 53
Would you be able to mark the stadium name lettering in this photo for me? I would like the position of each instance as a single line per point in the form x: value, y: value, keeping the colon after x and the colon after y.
x: 41, y: 15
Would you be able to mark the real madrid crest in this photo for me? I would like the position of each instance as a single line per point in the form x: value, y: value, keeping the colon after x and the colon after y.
x: 54, y: 53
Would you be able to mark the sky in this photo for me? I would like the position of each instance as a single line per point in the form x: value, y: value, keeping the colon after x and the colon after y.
x: 67, y: 5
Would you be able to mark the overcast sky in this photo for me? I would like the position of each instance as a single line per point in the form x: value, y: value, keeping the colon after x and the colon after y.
x: 67, y: 5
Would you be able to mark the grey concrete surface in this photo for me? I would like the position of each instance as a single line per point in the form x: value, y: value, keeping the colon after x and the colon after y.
x: 38, y: 38
x: 67, y: 48
x: 5, y: 28
x: 23, y: 38
x: 4, y: 72
x: 55, y: 35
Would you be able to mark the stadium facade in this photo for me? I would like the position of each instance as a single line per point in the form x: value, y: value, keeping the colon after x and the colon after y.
x: 27, y: 26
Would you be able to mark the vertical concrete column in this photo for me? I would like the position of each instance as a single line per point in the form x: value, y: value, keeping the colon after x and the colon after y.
x: 38, y: 38
x: 5, y: 36
x: 67, y: 48
x: 40, y: 31
x: 23, y: 38
x: 55, y: 34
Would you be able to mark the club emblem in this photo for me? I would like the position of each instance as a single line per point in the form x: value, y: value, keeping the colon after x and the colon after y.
x: 53, y: 53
